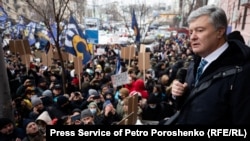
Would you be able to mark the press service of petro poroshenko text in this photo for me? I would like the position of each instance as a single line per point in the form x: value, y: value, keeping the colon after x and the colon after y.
x: 145, y: 131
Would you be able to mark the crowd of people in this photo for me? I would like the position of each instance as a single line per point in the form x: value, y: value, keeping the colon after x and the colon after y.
x: 167, y: 91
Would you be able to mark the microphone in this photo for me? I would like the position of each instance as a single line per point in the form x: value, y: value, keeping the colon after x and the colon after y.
x: 181, y: 75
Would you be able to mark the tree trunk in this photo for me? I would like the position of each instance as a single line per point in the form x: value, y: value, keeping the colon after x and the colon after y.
x: 5, y: 97
x: 59, y: 51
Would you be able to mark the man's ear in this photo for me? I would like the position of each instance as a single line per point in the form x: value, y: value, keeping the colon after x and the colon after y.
x: 220, y: 32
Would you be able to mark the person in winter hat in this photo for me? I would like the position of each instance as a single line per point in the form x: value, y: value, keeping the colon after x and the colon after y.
x: 94, y: 96
x: 47, y: 98
x: 38, y: 107
x: 33, y: 133
x: 43, y: 120
x: 47, y: 93
x: 9, y: 132
x: 87, y: 117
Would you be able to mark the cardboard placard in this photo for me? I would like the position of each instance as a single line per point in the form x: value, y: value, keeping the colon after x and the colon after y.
x: 127, y: 52
x: 144, y: 61
x: 78, y: 65
x: 120, y: 79
x: 64, y: 55
x: 12, y: 46
x: 26, y: 60
x: 20, y: 46
x: 131, y: 118
x: 26, y: 46
x: 78, y: 68
x: 142, y: 48
x: 47, y: 59
x: 38, y: 53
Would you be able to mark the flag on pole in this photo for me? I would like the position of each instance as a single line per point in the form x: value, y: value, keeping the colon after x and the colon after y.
x: 3, y: 18
x: 3, y: 15
x: 29, y: 32
x: 135, y: 27
x: 75, y: 41
x: 53, y: 33
x: 44, y: 39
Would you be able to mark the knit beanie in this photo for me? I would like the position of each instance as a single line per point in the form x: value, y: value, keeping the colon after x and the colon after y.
x: 47, y: 93
x: 107, y: 102
x: 62, y: 100
x: 93, y: 92
x: 36, y: 101
x: 4, y: 122
x: 26, y: 122
x: 86, y: 113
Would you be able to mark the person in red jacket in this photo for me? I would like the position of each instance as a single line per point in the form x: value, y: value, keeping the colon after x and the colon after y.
x: 139, y: 87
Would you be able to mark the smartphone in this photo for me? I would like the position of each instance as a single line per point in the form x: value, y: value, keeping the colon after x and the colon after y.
x: 96, y: 97
x: 75, y: 117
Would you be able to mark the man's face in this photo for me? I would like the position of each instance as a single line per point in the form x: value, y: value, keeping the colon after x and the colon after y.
x: 32, y: 128
x: 88, y: 120
x: 204, y: 38
x: 7, y: 129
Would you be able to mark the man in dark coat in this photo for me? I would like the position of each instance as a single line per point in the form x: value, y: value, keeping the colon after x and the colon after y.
x: 222, y: 93
x: 9, y: 132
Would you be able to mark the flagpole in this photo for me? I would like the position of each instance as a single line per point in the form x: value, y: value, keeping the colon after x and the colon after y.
x: 129, y: 56
x: 136, y: 29
x: 144, y: 68
x: 79, y: 72
x: 25, y: 57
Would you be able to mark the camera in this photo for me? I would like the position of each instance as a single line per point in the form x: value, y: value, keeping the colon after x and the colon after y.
x: 77, y: 93
x: 96, y: 97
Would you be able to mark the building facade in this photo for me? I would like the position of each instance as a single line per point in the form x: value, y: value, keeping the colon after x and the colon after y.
x: 17, y: 8
x: 238, y: 13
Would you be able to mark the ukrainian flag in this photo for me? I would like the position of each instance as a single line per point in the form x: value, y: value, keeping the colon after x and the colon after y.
x: 135, y: 27
x: 3, y: 15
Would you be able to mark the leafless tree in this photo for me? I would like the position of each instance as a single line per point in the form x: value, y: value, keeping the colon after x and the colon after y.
x: 57, y: 11
x: 188, y: 6
x: 111, y: 11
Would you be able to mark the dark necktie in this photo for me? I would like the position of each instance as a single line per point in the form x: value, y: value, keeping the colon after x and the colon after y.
x: 200, y: 70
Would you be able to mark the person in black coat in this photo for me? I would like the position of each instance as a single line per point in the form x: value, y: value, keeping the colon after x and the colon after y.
x: 153, y: 110
x: 221, y: 96
x: 9, y: 132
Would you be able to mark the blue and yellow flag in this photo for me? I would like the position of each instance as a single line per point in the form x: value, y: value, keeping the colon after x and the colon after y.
x: 135, y: 27
x: 44, y: 40
x: 3, y: 15
x: 29, y: 33
x: 75, y: 41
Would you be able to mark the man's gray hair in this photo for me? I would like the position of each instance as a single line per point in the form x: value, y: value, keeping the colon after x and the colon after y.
x: 217, y: 15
